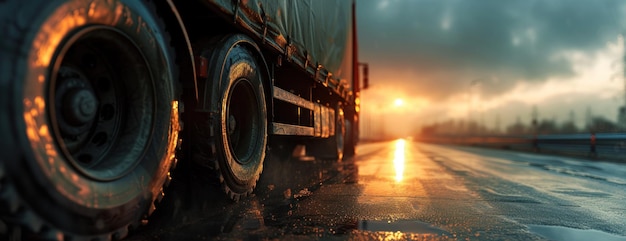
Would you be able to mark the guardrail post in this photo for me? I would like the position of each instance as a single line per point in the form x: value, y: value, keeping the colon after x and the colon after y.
x: 592, y: 145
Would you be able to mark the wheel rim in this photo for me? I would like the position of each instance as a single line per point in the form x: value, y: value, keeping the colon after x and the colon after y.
x: 102, y: 102
x: 243, y: 124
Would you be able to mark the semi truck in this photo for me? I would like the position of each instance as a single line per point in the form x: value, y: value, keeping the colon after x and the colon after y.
x: 101, y: 99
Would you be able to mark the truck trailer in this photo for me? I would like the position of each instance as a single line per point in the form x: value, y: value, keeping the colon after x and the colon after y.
x: 100, y: 99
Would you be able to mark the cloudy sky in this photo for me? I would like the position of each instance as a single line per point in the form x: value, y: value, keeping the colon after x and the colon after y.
x: 461, y: 59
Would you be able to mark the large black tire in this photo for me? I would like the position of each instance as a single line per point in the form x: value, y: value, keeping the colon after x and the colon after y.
x: 333, y: 146
x: 230, y: 129
x: 351, y: 137
x: 88, y: 115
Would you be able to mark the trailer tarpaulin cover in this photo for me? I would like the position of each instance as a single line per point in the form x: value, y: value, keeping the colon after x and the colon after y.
x: 313, y: 30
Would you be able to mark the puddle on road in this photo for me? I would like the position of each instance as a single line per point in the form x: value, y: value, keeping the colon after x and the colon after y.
x: 405, y: 226
x: 558, y: 233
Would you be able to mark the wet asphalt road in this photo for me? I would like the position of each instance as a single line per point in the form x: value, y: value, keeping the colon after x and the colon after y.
x: 403, y: 190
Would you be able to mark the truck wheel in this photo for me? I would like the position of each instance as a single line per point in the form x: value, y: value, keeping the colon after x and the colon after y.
x: 231, y: 137
x: 333, y: 146
x: 350, y: 140
x: 340, y: 133
x: 88, y: 116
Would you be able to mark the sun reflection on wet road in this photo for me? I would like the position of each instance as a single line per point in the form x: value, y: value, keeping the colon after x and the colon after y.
x: 397, y: 190
x: 398, y: 159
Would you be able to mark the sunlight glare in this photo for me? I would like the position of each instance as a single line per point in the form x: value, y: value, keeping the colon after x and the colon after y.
x: 398, y: 102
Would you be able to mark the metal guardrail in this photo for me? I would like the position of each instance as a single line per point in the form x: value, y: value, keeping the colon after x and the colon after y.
x: 607, y: 145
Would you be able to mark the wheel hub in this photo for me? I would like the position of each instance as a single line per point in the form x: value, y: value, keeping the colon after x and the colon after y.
x: 75, y: 102
x: 79, y: 106
x: 99, y: 108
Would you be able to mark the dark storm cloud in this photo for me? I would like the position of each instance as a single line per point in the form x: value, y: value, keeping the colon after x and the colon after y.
x: 449, y: 43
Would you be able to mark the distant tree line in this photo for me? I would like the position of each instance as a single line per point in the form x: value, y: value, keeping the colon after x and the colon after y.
x: 596, y: 124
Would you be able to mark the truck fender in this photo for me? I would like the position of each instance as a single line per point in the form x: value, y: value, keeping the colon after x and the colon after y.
x: 182, y: 44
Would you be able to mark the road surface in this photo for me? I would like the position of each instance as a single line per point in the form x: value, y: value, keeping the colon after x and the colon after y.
x: 404, y: 190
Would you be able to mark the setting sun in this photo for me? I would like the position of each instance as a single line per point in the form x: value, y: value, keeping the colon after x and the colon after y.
x: 398, y: 102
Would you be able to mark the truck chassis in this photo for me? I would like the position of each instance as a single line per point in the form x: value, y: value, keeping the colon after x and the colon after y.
x: 100, y: 100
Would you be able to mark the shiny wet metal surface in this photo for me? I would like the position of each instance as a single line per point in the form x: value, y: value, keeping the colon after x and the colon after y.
x: 399, y: 190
